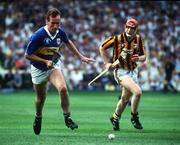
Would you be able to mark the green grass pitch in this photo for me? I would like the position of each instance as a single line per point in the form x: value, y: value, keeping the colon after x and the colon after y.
x: 159, y: 114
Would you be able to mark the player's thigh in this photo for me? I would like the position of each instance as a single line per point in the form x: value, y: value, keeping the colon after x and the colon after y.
x: 129, y: 84
x: 126, y: 92
x: 57, y: 79
x: 40, y: 89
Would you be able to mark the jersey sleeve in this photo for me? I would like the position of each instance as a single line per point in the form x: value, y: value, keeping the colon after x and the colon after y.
x: 141, y: 47
x: 33, y: 44
x: 109, y: 42
x: 65, y: 38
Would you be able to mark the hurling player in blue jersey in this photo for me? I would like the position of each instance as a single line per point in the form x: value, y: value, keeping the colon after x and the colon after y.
x: 42, y: 47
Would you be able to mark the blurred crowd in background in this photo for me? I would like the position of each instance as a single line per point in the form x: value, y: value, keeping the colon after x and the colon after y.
x: 88, y: 23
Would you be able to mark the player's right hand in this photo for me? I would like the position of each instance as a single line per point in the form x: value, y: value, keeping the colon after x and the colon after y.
x: 109, y: 66
x: 49, y: 64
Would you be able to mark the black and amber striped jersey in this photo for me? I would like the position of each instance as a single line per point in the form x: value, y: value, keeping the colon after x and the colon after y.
x: 124, y: 49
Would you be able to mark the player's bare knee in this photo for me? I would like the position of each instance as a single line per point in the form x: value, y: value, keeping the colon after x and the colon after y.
x: 137, y: 92
x: 63, y: 91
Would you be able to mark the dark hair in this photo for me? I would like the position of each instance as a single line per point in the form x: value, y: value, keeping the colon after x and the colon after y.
x: 53, y: 12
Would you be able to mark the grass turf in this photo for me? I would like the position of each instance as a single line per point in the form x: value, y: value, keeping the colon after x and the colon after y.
x: 159, y: 114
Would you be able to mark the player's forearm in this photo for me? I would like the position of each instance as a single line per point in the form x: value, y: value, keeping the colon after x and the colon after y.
x: 35, y: 58
x: 73, y: 48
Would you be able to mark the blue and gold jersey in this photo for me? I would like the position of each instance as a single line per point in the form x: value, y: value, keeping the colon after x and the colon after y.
x: 43, y: 44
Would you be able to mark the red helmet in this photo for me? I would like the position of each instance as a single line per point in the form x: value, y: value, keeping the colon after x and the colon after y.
x: 132, y: 23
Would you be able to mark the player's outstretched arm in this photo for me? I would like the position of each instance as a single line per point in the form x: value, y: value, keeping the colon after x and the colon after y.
x: 73, y: 48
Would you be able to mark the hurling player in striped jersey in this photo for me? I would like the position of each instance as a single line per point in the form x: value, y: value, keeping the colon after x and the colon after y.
x: 43, y: 53
x: 128, y: 48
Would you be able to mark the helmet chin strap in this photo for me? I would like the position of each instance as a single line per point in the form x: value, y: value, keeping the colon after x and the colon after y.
x: 130, y: 35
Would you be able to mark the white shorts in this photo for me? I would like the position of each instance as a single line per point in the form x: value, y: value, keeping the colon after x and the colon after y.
x: 39, y: 76
x: 120, y: 74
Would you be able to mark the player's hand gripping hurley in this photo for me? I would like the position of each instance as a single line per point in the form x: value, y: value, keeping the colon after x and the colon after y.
x: 102, y: 73
x: 56, y: 57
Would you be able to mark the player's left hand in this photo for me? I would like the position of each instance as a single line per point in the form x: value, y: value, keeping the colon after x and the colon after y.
x: 86, y: 59
x: 135, y: 58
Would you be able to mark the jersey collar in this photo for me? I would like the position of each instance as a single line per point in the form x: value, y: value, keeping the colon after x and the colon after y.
x: 52, y: 37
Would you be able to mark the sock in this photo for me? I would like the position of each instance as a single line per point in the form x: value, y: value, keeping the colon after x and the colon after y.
x: 116, y: 116
x: 38, y: 116
x: 134, y: 114
x: 66, y: 115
